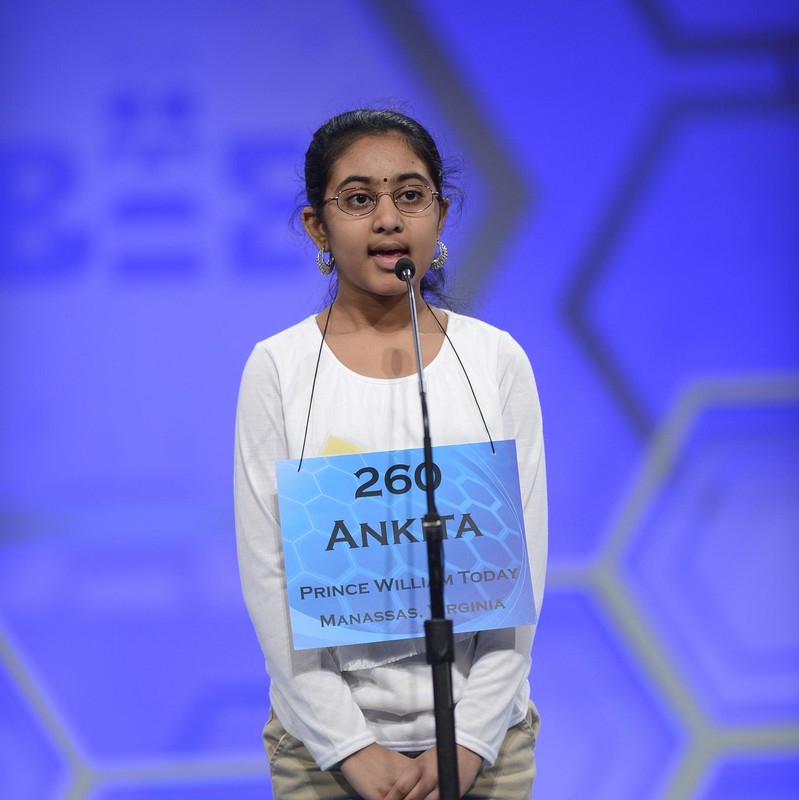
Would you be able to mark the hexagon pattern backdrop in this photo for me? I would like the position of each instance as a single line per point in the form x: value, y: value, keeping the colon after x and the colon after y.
x: 631, y: 171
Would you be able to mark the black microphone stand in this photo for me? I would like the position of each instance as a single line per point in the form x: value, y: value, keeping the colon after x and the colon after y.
x: 437, y: 629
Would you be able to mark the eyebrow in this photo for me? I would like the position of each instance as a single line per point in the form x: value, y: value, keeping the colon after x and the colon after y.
x: 400, y: 179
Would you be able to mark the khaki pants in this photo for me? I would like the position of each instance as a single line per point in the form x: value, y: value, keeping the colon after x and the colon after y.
x: 296, y: 776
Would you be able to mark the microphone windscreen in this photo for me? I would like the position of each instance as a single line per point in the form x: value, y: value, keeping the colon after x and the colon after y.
x: 404, y: 266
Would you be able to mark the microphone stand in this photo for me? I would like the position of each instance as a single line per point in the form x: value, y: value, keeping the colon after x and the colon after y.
x: 437, y: 629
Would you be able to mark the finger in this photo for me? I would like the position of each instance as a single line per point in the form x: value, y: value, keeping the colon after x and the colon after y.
x: 432, y: 794
x: 425, y: 789
x: 403, y: 788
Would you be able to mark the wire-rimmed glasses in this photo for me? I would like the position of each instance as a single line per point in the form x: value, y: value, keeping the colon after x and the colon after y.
x: 410, y: 199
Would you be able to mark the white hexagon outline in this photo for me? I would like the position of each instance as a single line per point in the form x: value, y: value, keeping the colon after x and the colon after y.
x: 707, y: 741
x: 81, y: 776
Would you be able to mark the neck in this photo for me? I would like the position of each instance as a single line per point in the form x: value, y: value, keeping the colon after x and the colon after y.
x: 382, y: 314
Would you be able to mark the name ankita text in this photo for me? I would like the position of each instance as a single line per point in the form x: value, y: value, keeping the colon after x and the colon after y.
x: 407, y: 584
x: 390, y: 532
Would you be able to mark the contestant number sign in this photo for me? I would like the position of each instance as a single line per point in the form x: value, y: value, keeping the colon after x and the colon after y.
x: 355, y: 555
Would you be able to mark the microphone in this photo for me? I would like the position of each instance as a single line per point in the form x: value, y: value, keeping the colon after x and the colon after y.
x: 404, y: 268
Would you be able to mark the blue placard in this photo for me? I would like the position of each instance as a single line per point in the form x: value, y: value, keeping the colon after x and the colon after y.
x: 355, y: 556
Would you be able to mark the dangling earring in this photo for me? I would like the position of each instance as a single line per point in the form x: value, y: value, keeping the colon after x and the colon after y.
x: 441, y: 258
x: 325, y: 267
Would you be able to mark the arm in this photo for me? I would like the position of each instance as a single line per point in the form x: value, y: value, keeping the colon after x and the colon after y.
x: 307, y: 692
x: 502, y: 657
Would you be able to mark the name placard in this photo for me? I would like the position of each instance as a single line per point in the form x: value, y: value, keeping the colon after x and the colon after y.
x: 355, y: 555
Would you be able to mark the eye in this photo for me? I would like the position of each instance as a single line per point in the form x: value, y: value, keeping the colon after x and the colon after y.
x: 412, y: 196
x: 358, y: 200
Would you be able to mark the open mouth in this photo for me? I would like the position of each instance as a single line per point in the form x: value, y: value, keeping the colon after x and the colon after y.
x: 388, y: 254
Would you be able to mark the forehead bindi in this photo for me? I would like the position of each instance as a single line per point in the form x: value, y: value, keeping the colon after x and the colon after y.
x: 378, y: 160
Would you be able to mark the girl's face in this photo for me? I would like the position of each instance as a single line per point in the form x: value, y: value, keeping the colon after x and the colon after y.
x: 366, y: 248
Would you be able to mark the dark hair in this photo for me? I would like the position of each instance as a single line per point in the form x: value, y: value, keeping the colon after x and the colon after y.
x: 333, y: 138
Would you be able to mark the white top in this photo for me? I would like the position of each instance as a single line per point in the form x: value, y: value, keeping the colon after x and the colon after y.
x: 339, y: 700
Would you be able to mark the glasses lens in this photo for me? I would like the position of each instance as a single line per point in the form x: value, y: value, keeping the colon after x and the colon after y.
x: 413, y: 199
x: 357, y: 201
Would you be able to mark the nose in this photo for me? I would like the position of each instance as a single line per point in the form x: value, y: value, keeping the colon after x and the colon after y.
x: 386, y: 215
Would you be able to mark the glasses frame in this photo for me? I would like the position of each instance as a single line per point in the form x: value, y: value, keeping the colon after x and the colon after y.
x: 433, y: 195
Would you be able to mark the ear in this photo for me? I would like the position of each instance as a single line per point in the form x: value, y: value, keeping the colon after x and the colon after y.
x: 314, y: 227
x: 442, y: 215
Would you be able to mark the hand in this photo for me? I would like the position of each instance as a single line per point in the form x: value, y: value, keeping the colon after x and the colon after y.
x: 422, y: 783
x: 375, y: 769
x: 469, y: 764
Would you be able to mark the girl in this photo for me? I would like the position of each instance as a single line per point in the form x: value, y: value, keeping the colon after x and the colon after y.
x: 357, y: 721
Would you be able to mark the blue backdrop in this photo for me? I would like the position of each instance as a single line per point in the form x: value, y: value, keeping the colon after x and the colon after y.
x: 632, y: 180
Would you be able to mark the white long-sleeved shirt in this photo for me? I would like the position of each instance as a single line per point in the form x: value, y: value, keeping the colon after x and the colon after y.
x: 339, y: 700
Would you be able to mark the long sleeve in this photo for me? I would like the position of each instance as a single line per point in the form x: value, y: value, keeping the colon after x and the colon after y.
x: 339, y: 700
x: 497, y: 683
x: 307, y: 692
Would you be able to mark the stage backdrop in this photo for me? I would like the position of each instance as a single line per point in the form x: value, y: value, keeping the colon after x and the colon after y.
x: 631, y: 170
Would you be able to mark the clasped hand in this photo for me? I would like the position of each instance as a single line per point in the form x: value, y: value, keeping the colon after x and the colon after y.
x: 378, y: 773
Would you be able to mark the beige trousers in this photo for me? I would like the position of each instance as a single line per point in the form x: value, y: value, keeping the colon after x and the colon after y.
x: 296, y: 776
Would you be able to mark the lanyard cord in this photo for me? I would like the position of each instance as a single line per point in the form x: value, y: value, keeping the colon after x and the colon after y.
x: 316, y: 372
x: 313, y: 386
x: 468, y: 380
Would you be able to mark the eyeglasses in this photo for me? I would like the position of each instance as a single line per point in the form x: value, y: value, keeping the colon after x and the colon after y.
x: 408, y: 199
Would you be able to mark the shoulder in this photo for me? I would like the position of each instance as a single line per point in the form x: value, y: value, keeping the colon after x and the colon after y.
x: 471, y: 326
x: 301, y: 334
x: 282, y: 352
x: 289, y: 343
x: 486, y: 339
